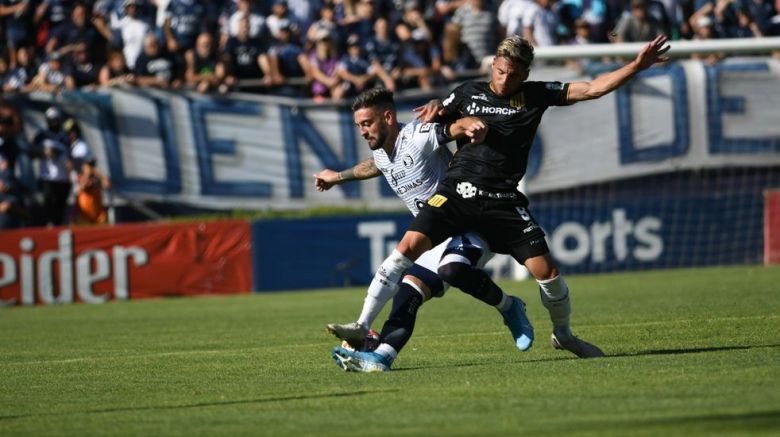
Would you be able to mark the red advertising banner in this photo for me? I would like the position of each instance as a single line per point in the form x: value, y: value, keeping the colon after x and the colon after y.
x: 772, y: 227
x: 98, y: 264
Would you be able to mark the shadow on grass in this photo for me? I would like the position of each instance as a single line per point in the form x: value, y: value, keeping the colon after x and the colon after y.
x: 204, y: 404
x: 678, y: 351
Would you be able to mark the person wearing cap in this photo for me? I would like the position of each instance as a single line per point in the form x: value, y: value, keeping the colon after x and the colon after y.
x: 355, y: 70
x: 287, y: 61
x: 51, y: 147
x: 638, y: 25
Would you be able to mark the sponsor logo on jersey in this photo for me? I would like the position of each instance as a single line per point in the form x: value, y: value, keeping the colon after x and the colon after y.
x: 437, y: 201
x: 397, y: 176
x: 474, y: 109
x: 408, y: 161
x: 403, y: 189
x: 425, y: 127
x: 480, y: 96
x: 449, y: 99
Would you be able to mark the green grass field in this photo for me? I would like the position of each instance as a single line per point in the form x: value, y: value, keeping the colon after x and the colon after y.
x: 692, y: 352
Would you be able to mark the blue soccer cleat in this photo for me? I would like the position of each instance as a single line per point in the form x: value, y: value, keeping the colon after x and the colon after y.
x: 518, y: 324
x: 365, y: 362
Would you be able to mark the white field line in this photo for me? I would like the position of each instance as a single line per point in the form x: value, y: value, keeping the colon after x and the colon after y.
x: 319, y: 344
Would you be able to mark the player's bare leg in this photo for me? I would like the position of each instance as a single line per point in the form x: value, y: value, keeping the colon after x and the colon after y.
x: 555, y: 297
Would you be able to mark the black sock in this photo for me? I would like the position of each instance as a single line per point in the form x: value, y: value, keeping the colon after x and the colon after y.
x: 473, y: 281
x: 399, y: 326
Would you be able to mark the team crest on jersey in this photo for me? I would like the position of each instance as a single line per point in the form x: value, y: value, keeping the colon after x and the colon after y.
x: 517, y: 101
x: 425, y: 127
x: 437, y: 200
x: 408, y: 161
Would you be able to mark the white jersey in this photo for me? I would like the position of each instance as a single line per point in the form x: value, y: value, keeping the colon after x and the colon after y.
x: 419, y: 162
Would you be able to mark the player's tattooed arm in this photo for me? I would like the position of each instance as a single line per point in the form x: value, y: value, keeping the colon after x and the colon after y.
x: 327, y: 178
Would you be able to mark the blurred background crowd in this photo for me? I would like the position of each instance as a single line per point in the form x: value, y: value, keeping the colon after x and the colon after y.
x: 319, y: 49
x: 324, y: 48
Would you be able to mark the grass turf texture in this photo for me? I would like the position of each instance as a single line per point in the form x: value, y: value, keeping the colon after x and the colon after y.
x: 693, y: 352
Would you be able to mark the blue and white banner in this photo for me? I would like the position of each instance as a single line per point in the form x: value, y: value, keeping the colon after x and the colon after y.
x: 259, y: 152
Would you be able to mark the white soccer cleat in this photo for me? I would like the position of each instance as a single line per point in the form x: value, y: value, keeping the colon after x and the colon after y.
x: 578, y: 347
x: 353, y: 333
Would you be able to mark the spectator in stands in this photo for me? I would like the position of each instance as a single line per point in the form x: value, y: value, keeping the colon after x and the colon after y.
x: 735, y: 21
x: 475, y: 26
x: 133, y: 29
x: 53, y: 13
x: 420, y: 60
x: 510, y: 15
x: 774, y: 27
x: 52, y: 76
x: 414, y: 20
x: 184, y: 21
x: 304, y: 11
x: 355, y: 69
x: 115, y: 72
x: 638, y: 26
x: 326, y: 23
x: 322, y: 64
x: 281, y: 18
x: 19, y: 77
x: 205, y: 72
x: 596, y: 12
x: 581, y: 37
x: 704, y: 28
x: 91, y: 181
x: 11, y: 208
x: 154, y: 68
x: 541, y: 24
x: 288, y: 63
x: 10, y: 129
x: 257, y: 27
x: 247, y: 57
x: 360, y: 23
x: 83, y: 71
x: 51, y: 146
x: 73, y: 32
x: 16, y: 16
x: 107, y: 16
x: 384, y: 54
x: 762, y: 12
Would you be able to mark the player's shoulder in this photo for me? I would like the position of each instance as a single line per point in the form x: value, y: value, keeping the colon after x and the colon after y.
x: 539, y: 86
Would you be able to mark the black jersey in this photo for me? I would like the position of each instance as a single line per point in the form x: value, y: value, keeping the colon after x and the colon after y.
x: 500, y: 162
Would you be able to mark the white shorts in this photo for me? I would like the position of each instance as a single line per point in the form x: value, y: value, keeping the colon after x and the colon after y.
x: 468, y: 248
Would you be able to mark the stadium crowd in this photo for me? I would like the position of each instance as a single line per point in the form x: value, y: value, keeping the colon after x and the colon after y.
x: 322, y: 49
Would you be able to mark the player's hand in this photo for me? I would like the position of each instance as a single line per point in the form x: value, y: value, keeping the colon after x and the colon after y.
x: 326, y: 179
x: 653, y: 52
x: 476, y: 131
x: 429, y: 111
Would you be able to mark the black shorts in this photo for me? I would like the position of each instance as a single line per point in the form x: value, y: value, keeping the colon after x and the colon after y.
x: 506, y: 224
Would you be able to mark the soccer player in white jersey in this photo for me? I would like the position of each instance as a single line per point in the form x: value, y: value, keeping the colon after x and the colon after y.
x: 414, y: 159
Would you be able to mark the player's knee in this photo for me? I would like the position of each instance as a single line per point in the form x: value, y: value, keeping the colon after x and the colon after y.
x: 454, y: 273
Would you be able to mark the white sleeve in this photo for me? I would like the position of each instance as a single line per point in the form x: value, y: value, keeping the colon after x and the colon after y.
x: 426, y: 137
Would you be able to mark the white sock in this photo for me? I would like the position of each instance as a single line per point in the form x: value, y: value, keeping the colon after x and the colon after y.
x: 505, y: 303
x: 555, y: 297
x: 387, y: 351
x: 383, y: 287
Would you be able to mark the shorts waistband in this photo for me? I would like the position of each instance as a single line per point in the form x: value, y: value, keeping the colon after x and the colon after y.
x: 467, y: 190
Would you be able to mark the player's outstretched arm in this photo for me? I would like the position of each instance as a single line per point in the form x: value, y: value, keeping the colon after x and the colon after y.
x: 652, y: 53
x: 327, y: 178
x: 472, y: 128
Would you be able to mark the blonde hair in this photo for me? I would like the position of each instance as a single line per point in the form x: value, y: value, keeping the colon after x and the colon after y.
x: 516, y: 49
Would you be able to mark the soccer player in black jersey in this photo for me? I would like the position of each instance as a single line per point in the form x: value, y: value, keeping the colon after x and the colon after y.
x: 480, y: 191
